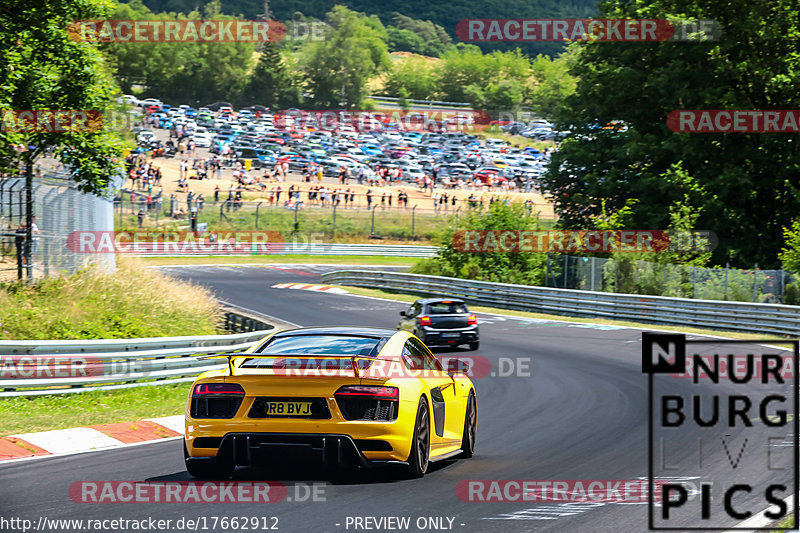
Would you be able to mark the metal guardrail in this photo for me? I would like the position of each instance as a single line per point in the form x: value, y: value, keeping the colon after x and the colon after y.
x: 289, y: 248
x: 724, y: 315
x: 419, y: 102
x: 33, y: 368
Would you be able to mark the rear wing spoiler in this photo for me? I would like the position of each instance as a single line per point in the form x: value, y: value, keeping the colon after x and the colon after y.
x: 255, y: 355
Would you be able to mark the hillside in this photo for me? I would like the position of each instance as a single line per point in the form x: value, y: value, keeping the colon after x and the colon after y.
x: 446, y: 14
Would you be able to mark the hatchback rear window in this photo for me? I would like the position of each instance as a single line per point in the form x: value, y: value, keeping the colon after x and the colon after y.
x: 442, y: 308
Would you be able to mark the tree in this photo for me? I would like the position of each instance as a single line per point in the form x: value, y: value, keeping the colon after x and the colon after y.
x: 498, y: 81
x: 354, y: 50
x: 418, y: 36
x: 44, y: 68
x: 414, y: 75
x: 183, y: 72
x: 790, y: 253
x: 273, y: 82
x: 621, y: 146
x: 553, y: 83
x: 505, y: 267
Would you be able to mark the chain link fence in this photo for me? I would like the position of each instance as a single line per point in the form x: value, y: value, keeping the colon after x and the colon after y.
x: 661, y: 279
x: 60, y: 209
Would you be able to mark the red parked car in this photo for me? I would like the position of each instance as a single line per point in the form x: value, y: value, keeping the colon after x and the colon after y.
x: 483, y: 176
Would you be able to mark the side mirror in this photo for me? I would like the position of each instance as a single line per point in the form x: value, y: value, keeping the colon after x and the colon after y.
x: 402, y: 313
x: 457, y: 366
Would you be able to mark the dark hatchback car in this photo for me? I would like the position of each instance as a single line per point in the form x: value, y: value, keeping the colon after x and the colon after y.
x: 441, y: 322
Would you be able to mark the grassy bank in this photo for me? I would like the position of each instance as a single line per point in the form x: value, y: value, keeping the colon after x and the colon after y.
x: 133, y: 302
x: 350, y: 225
x: 28, y: 414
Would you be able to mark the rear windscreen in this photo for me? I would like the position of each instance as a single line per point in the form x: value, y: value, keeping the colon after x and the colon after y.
x: 323, y: 345
x: 446, y: 308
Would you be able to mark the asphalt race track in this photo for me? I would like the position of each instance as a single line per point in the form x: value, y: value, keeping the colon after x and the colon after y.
x: 581, y: 414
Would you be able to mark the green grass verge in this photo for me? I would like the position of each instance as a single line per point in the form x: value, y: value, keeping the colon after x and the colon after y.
x: 282, y: 259
x: 133, y: 302
x: 41, y: 413
x: 351, y: 226
x: 638, y: 325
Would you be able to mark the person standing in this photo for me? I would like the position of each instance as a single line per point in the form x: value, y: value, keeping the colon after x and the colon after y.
x: 216, y: 193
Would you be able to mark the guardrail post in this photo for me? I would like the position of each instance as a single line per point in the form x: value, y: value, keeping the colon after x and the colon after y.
x: 257, y: 206
x: 727, y: 266
x: 372, y: 226
x: 755, y: 281
x: 413, y: 216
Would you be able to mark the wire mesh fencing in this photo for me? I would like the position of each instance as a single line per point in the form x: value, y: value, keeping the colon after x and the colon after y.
x: 663, y: 279
x: 60, y: 211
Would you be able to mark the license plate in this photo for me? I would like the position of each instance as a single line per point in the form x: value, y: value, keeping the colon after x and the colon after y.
x: 288, y: 408
x: 450, y: 335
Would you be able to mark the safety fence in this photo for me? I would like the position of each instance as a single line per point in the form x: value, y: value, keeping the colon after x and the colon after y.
x: 288, y: 248
x: 60, y: 209
x: 736, y: 316
x: 39, y: 367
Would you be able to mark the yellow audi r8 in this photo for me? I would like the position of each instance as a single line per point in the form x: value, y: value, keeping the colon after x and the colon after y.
x: 347, y: 396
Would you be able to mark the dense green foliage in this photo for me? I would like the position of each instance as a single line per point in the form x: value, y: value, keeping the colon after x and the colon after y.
x: 505, y: 267
x: 189, y: 72
x: 338, y: 67
x: 746, y: 183
x: 444, y: 15
x: 44, y: 68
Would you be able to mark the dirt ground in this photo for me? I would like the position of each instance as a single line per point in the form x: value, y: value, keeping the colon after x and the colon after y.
x: 170, y: 168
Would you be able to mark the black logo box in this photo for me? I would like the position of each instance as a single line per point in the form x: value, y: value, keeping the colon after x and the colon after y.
x: 677, y: 366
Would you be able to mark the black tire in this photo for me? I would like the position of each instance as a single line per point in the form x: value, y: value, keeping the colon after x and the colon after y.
x: 419, y: 456
x: 474, y: 345
x: 470, y: 427
x: 221, y: 468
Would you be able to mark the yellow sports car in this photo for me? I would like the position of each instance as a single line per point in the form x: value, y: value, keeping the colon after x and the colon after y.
x: 344, y: 395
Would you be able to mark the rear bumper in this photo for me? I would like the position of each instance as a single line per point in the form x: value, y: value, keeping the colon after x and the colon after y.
x: 336, y: 450
x: 444, y: 337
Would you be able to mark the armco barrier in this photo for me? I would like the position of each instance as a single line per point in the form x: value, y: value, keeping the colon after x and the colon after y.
x: 301, y: 248
x: 736, y: 316
x: 32, y: 368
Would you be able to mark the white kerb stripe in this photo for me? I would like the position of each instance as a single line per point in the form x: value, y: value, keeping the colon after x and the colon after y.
x: 176, y: 423
x: 70, y: 440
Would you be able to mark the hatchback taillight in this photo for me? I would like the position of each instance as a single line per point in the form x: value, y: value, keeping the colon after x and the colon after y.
x: 472, y: 320
x: 424, y: 320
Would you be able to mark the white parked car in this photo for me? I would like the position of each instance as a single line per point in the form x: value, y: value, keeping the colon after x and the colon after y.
x: 150, y: 101
x: 128, y: 99
x: 203, y: 140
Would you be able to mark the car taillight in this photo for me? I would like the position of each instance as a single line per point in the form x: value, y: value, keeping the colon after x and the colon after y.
x: 369, y: 391
x: 424, y: 320
x: 472, y: 320
x: 218, y: 388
